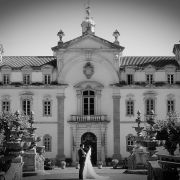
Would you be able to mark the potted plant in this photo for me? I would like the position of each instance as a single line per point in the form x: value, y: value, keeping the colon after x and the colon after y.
x: 68, y: 161
x: 13, y: 128
x: 115, y: 163
x: 100, y: 163
x: 77, y: 165
x: 63, y: 164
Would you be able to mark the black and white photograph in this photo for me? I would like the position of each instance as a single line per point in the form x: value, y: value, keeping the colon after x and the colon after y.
x: 89, y: 89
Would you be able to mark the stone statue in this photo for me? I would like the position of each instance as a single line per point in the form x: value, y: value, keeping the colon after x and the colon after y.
x: 87, y: 12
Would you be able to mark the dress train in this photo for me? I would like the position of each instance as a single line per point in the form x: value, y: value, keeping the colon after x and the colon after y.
x: 89, y: 172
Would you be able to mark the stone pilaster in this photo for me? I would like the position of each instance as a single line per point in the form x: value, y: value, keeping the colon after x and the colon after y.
x: 60, y: 129
x: 73, y: 146
x: 116, y: 126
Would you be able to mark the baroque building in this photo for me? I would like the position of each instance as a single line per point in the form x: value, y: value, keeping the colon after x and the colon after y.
x: 88, y: 92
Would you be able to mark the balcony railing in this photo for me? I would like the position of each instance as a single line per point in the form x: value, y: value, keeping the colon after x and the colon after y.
x: 88, y: 118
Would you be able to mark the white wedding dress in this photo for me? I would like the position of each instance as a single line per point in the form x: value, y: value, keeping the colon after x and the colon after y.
x: 89, y: 172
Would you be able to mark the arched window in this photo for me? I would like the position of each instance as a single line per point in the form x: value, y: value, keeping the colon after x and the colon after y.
x: 88, y: 102
x: 47, y: 142
x: 130, y: 141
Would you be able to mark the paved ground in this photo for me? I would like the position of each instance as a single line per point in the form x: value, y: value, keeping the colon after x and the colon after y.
x: 72, y: 174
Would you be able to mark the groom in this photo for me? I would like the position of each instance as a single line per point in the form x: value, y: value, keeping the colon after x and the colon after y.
x: 82, y: 158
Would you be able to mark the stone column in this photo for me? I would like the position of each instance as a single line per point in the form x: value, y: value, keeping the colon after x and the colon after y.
x: 103, y: 145
x: 60, y: 129
x: 116, y: 126
x: 98, y: 99
x: 79, y: 103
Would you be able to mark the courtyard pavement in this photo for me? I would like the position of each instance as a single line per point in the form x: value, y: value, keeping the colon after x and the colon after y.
x: 70, y: 173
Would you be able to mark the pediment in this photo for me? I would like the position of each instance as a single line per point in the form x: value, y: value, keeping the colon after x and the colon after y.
x: 170, y: 68
x: 90, y: 42
x: 89, y: 85
x: 26, y: 69
x: 149, y: 68
x: 6, y: 68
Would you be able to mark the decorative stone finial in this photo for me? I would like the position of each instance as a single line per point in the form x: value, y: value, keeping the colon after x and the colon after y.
x: 60, y: 34
x: 1, y: 51
x: 116, y: 34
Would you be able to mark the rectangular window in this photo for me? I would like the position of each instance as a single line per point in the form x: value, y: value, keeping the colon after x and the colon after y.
x: 26, y: 106
x: 170, y: 106
x: 129, y: 79
x: 47, y: 79
x: 89, y: 106
x: 6, y: 79
x: 149, y: 78
x: 150, y: 105
x: 86, y: 106
x: 47, y: 108
x: 5, y: 106
x: 170, y: 78
x: 130, y: 108
x: 26, y: 79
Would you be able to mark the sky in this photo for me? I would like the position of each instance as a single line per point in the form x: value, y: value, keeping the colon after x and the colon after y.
x: 146, y: 27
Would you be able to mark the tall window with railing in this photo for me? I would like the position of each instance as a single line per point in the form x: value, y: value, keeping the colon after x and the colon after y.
x: 88, y: 102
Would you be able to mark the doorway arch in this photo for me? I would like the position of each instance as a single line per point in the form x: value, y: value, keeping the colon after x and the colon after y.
x: 90, y: 139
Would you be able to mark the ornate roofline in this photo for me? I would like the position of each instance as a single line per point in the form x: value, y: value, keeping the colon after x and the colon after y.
x: 69, y: 43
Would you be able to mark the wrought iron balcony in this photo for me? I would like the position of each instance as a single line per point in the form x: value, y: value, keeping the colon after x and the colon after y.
x: 88, y: 118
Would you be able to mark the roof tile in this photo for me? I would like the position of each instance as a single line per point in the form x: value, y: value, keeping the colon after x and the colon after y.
x: 20, y: 61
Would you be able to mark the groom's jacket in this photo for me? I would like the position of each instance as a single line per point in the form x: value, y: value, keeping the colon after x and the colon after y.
x: 82, y: 155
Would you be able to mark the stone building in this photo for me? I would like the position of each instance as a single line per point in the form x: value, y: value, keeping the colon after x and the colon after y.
x: 89, y: 92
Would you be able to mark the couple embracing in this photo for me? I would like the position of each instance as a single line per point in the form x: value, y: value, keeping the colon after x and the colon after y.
x: 86, y: 169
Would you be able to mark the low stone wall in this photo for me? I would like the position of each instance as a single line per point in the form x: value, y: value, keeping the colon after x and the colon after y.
x: 29, y: 159
x: 15, y: 170
x: 33, y: 161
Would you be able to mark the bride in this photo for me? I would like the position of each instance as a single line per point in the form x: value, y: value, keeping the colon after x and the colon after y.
x: 89, y: 172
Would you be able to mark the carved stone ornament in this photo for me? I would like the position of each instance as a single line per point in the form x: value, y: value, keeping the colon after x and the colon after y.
x: 88, y: 70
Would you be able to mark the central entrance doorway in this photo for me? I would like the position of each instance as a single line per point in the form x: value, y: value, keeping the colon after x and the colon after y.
x: 90, y: 139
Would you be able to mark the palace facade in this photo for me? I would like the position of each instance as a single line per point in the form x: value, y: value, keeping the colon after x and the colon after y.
x: 88, y: 92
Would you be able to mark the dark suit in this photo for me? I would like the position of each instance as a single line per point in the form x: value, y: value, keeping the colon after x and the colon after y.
x: 82, y: 158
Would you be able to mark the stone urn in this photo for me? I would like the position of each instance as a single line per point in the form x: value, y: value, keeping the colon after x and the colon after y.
x: 63, y: 164
x: 100, y: 164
